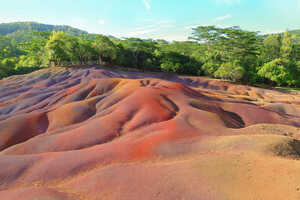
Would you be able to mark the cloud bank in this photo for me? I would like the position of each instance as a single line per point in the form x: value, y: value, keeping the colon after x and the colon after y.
x: 147, y: 4
x: 222, y: 18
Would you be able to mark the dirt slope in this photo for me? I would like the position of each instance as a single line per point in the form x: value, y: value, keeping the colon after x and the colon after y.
x: 94, y: 133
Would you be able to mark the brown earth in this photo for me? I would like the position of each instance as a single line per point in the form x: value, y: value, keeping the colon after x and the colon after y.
x: 95, y: 133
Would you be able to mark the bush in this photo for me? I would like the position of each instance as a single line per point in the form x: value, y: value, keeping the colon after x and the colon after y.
x: 298, y: 74
x: 7, y: 67
x: 230, y: 71
x: 32, y: 61
x: 209, y: 68
x: 3, y: 71
x: 294, y: 73
x: 170, y: 66
x: 173, y: 62
x: 275, y: 71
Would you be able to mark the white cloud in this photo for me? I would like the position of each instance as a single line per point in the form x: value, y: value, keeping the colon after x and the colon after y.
x: 147, y: 4
x: 79, y: 20
x: 195, y: 26
x: 80, y: 23
x: 160, y: 24
x: 23, y: 19
x: 228, y: 2
x: 167, y: 21
x: 178, y: 37
x: 191, y: 27
x: 150, y: 28
x: 222, y: 18
x: 142, y: 32
x: 145, y: 27
x: 101, y: 22
x: 136, y: 33
x: 6, y: 20
x: 271, y: 31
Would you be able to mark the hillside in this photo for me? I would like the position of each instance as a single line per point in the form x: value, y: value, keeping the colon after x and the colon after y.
x: 297, y: 33
x: 22, y: 31
x: 96, y: 133
x: 17, y: 30
x: 293, y: 32
x: 10, y: 28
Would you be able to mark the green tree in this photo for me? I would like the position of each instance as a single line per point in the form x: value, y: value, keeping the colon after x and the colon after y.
x: 276, y: 72
x: 271, y: 48
x: 8, y: 48
x: 142, y: 52
x: 230, y: 71
x: 105, y: 49
x: 79, y: 50
x: 209, y: 68
x: 296, y: 52
x: 56, y: 48
x: 229, y: 45
x: 287, y: 46
x: 4, y: 70
x: 35, y: 52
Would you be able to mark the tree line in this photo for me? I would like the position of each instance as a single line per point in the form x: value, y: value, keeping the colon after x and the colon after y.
x: 226, y: 53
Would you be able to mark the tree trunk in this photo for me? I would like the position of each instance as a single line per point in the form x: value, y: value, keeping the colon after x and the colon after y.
x: 100, y: 60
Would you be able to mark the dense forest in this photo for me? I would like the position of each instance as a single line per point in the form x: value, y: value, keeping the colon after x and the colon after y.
x: 226, y: 53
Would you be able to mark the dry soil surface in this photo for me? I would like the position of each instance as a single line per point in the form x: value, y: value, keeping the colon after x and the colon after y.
x: 101, y: 134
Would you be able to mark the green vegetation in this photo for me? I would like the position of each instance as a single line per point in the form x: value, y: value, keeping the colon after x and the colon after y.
x: 230, y: 71
x: 227, y: 53
x: 21, y: 31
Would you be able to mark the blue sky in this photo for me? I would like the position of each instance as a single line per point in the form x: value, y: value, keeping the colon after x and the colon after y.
x: 165, y: 19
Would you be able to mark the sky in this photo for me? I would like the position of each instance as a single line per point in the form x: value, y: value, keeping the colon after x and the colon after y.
x: 156, y: 19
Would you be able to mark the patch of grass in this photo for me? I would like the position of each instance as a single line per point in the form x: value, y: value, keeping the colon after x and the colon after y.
x: 287, y: 89
x: 289, y: 149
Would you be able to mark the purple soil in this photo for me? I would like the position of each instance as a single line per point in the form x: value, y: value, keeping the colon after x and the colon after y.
x: 97, y: 133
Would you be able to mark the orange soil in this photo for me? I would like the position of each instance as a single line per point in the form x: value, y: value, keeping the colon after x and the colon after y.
x: 94, y: 133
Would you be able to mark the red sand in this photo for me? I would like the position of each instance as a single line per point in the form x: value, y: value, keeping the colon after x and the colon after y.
x: 94, y: 133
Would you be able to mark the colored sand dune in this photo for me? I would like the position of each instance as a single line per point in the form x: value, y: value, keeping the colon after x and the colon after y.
x: 96, y: 133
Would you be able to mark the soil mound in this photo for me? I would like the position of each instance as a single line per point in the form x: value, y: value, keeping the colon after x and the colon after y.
x: 96, y: 133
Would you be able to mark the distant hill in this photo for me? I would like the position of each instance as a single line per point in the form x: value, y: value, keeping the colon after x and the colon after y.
x: 293, y: 32
x: 297, y: 33
x: 10, y: 28
x: 21, y: 31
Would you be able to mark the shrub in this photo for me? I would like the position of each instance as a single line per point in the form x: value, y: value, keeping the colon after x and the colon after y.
x: 275, y: 71
x: 170, y: 66
x: 209, y: 68
x: 230, y: 71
